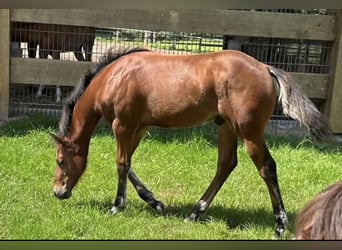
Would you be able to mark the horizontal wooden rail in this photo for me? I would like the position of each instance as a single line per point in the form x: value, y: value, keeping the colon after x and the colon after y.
x: 68, y: 73
x: 49, y: 72
x: 314, y: 85
x: 224, y: 22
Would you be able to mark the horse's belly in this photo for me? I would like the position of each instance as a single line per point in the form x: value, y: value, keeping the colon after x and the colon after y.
x: 188, y: 117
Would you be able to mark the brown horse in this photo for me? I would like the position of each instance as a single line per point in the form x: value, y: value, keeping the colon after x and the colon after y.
x: 321, y: 217
x: 52, y: 40
x: 136, y: 88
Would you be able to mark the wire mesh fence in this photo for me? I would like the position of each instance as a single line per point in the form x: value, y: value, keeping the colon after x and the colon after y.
x: 290, y: 54
x: 330, y: 12
x: 65, y: 42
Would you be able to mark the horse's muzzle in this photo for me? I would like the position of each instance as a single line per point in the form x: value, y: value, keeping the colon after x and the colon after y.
x: 62, y: 193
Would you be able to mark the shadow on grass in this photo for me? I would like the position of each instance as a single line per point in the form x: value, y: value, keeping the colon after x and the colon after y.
x: 36, y: 122
x: 234, y: 218
x: 23, y: 125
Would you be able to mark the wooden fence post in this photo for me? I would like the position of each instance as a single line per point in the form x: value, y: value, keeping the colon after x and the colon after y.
x: 4, y: 62
x: 333, y: 108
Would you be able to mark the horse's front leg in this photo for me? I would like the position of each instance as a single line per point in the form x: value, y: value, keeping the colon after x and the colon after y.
x: 145, y: 193
x: 125, y: 152
x: 124, y: 138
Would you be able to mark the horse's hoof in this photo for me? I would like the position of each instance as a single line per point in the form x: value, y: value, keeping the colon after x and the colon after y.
x: 279, y: 234
x: 191, y: 218
x: 114, y: 210
x: 160, y: 208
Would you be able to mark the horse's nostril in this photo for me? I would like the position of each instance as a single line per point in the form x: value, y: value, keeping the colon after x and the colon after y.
x: 58, y: 195
x: 64, y: 195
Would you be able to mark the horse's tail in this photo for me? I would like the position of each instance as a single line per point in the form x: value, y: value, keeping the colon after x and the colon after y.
x: 298, y: 106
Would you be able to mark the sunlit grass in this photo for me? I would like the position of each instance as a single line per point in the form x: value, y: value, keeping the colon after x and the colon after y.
x: 177, y: 165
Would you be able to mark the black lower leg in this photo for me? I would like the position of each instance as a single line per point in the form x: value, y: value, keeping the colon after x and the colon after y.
x: 199, y: 210
x: 145, y: 194
x: 281, y: 220
x: 120, y: 200
x: 269, y: 175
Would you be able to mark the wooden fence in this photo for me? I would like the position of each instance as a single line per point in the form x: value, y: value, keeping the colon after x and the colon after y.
x: 224, y: 22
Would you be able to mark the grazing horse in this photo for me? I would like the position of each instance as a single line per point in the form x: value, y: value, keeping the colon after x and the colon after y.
x: 137, y: 88
x: 52, y: 40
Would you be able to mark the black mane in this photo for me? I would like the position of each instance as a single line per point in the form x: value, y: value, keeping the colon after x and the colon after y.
x: 109, y: 57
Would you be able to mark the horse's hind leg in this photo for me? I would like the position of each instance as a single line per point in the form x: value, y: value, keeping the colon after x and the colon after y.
x: 266, y: 166
x: 227, y: 161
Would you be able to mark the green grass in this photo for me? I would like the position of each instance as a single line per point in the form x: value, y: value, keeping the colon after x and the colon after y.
x: 192, y: 45
x: 177, y: 165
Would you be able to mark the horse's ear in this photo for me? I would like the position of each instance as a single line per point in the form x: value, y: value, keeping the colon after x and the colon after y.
x: 57, y: 139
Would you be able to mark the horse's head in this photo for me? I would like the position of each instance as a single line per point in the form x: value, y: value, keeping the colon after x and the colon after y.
x: 70, y: 166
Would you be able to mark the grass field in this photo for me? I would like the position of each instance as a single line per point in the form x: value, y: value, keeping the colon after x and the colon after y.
x: 177, y: 165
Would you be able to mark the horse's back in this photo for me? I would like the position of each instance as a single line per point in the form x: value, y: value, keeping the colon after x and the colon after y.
x: 184, y: 90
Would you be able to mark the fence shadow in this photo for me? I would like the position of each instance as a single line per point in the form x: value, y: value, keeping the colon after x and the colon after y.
x: 21, y: 126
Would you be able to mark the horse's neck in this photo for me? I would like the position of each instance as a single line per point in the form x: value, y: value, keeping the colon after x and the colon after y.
x: 83, y: 123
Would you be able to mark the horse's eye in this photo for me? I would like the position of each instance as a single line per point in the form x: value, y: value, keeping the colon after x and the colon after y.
x: 60, y: 162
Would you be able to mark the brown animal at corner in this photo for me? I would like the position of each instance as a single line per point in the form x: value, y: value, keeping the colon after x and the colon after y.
x: 321, y: 217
